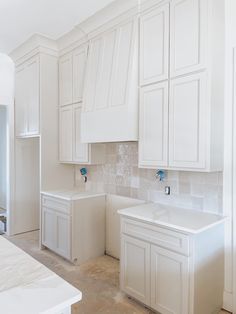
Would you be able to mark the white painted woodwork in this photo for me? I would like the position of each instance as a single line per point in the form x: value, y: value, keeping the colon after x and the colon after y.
x: 66, y: 133
x: 110, y: 107
x: 65, y: 79
x: 154, y: 45
x: 113, y: 204
x: 153, y: 125
x: 72, y: 150
x: 79, y: 66
x: 188, y: 20
x: 73, y: 228
x: 71, y: 75
x: 156, y: 271
x: 188, y: 122
x: 27, y: 186
x: 27, y: 100
x: 81, y: 151
x: 196, y: 84
x: 169, y: 281
x: 135, y: 270
x: 3, y: 156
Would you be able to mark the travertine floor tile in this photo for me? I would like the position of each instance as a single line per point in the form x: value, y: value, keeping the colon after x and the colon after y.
x: 97, y: 279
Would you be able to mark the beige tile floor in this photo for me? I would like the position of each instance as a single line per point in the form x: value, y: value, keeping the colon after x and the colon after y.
x: 97, y: 279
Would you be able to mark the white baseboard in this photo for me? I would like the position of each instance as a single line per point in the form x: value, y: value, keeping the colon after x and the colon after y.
x: 228, y: 301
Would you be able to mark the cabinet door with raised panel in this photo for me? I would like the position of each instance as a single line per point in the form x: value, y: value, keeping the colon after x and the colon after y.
x: 79, y: 64
x: 66, y: 134
x: 21, y: 101
x: 154, y: 45
x: 135, y: 268
x: 153, y: 133
x: 65, y: 79
x: 188, y: 122
x: 63, y: 235
x: 188, y: 22
x: 33, y: 88
x: 80, y: 150
x: 169, y: 281
x: 48, y: 228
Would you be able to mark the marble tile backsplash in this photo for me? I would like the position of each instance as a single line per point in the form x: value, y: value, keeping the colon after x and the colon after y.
x: 120, y: 175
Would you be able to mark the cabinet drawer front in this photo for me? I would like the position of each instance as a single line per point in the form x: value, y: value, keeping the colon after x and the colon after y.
x: 165, y: 238
x: 57, y: 204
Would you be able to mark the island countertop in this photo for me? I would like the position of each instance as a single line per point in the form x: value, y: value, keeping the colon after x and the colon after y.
x: 28, y: 287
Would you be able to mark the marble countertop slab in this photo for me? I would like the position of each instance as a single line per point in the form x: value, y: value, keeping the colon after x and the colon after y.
x: 185, y: 220
x: 71, y: 195
x: 28, y: 287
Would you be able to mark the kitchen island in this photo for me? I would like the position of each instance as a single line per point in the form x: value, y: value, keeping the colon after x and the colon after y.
x: 28, y: 287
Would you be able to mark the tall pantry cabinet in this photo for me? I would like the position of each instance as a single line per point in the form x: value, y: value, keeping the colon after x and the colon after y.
x: 181, y: 85
x: 36, y: 132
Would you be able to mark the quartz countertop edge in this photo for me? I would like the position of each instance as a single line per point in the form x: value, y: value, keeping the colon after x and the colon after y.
x: 183, y: 220
x: 34, y: 288
x: 71, y: 195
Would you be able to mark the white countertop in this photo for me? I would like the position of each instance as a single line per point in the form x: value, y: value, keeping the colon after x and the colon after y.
x: 28, y: 287
x: 188, y: 221
x: 71, y: 195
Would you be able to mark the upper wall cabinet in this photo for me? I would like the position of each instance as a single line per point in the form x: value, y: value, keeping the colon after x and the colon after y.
x: 154, y: 45
x: 181, y: 109
x: 188, y: 36
x: 110, y: 108
x: 27, y: 98
x: 71, y: 76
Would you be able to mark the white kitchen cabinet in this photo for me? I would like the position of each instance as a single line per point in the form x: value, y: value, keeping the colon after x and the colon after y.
x: 27, y: 98
x: 169, y: 281
x: 135, y: 255
x: 154, y: 45
x: 188, y: 20
x: 73, y: 224
x: 188, y: 122
x: 170, y: 261
x: 153, y: 124
x: 72, y: 150
x: 71, y: 76
x: 188, y: 134
x: 66, y: 133
x: 110, y: 107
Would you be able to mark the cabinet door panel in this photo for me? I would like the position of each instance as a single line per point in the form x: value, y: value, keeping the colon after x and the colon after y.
x: 188, y: 116
x: 154, y: 45
x: 188, y: 36
x: 21, y: 101
x: 169, y: 282
x: 153, y: 142
x: 79, y: 64
x: 120, y: 75
x: 63, y: 231
x: 65, y: 79
x: 80, y: 150
x: 33, y: 97
x: 48, y: 228
x: 66, y: 133
x: 135, y: 268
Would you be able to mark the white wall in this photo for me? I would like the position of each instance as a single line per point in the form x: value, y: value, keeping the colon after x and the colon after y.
x: 3, y: 154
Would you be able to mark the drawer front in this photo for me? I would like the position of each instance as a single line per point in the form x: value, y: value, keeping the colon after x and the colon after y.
x: 165, y: 238
x: 57, y: 204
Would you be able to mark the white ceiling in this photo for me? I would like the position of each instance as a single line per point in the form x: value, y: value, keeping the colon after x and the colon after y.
x: 19, y: 19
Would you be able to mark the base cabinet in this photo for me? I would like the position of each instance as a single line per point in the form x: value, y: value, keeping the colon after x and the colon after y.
x: 170, y: 271
x: 73, y: 229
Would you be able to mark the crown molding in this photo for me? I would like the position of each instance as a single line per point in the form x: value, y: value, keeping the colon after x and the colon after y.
x: 37, y: 43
